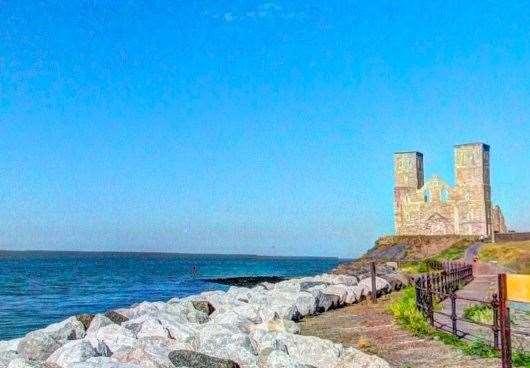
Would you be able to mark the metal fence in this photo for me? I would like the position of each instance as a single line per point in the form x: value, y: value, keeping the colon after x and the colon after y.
x: 434, y: 288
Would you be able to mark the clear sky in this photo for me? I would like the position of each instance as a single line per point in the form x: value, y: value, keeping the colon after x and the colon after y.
x: 248, y: 126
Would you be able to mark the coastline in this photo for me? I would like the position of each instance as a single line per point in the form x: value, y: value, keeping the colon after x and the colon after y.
x: 245, y: 326
x: 44, y: 288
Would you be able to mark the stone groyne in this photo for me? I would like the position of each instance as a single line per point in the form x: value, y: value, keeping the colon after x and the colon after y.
x: 243, y: 327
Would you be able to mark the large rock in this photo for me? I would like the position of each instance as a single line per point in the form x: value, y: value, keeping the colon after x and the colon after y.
x: 149, y: 352
x: 382, y: 286
x: 184, y: 333
x: 278, y: 359
x: 203, y: 306
x: 103, y: 362
x: 116, y: 317
x: 226, y: 343
x: 353, y: 358
x: 186, y: 312
x: 146, y: 326
x: 72, y: 352
x: 187, y: 358
x: 114, y: 336
x: 347, y: 294
x: 85, y: 319
x: 310, y: 350
x: 275, y: 324
x: 97, y: 322
x: 38, y: 345
x: 306, y: 303
x: 23, y: 363
x: 326, y: 302
x: 9, y: 345
x: 6, y: 357
x: 144, y: 358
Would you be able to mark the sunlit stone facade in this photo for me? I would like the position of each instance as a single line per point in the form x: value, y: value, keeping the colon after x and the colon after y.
x: 434, y: 207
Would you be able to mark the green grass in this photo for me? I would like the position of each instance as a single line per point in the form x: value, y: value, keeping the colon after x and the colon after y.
x: 456, y: 251
x: 479, y: 313
x: 407, y: 315
x: 403, y: 308
x: 415, y: 268
x: 514, y: 255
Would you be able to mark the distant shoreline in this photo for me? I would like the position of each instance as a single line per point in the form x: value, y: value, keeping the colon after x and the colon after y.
x: 227, y: 255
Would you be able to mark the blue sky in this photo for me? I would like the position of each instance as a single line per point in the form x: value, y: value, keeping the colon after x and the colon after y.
x: 248, y: 126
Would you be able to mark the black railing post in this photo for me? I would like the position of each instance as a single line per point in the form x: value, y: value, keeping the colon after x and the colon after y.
x: 504, y: 322
x: 495, y: 327
x: 430, y: 309
x: 453, y: 312
x: 374, y: 284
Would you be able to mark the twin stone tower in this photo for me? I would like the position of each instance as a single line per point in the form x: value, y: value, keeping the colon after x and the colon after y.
x: 434, y: 207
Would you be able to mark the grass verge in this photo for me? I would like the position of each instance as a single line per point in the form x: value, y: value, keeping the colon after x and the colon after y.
x: 514, y: 255
x: 456, y: 251
x: 403, y: 308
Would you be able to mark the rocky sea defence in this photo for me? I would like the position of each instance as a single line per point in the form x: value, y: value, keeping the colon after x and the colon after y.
x: 242, y: 327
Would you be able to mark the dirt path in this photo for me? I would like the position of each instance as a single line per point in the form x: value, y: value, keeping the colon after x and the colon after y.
x: 371, y: 328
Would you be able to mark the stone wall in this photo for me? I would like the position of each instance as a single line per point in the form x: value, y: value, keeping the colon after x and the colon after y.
x: 436, y: 208
x: 506, y: 237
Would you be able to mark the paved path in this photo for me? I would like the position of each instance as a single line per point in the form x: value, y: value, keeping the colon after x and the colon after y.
x: 472, y: 252
x: 371, y: 328
x: 481, y: 289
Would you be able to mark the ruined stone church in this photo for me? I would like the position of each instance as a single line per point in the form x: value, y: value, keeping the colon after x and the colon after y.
x: 434, y: 207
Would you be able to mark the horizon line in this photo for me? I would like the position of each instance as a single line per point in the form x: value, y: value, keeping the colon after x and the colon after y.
x: 165, y: 253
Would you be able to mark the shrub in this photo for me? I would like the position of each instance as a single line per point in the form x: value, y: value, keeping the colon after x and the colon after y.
x: 479, y: 313
x: 407, y: 315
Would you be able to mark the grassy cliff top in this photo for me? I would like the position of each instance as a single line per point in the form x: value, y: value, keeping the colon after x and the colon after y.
x: 513, y: 255
x: 419, y: 247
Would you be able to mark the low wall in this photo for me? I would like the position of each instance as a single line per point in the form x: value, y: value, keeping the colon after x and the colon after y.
x: 512, y: 237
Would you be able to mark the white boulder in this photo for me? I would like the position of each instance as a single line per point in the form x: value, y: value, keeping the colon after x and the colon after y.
x: 72, y: 352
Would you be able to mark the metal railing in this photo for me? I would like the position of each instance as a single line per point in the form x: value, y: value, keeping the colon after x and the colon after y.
x: 434, y: 288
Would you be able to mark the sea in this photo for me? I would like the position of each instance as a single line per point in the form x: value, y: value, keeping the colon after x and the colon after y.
x: 40, y: 288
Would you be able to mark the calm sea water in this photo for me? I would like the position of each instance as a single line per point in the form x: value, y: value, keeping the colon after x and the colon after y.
x: 39, y: 288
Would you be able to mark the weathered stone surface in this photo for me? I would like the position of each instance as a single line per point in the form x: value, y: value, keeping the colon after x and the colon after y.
x: 97, y: 322
x: 144, y: 358
x: 353, y: 358
x: 38, y: 345
x: 203, y: 306
x: 72, y: 352
x: 187, y: 358
x: 310, y: 350
x: 394, y: 253
x: 365, y: 286
x: 224, y: 342
x: 114, y: 336
x: 6, y: 357
x: 327, y: 301
x: 103, y: 362
x: 278, y: 359
x: 435, y: 208
x: 85, y: 319
x: 116, y: 317
x: 23, y: 363
x: 9, y: 345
